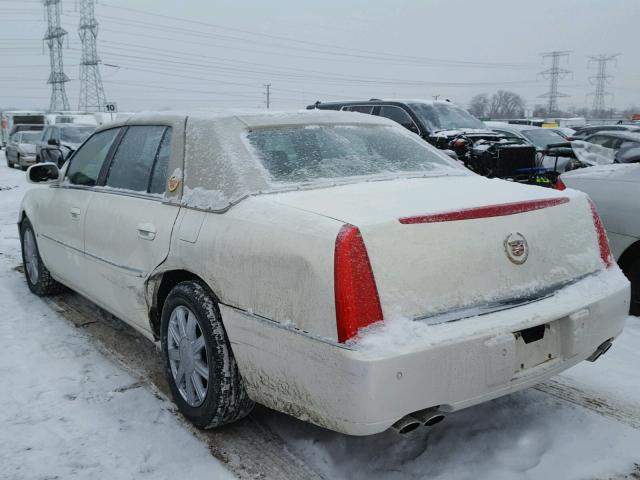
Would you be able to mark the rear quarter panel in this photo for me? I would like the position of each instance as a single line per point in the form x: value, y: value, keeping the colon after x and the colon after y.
x: 267, y: 259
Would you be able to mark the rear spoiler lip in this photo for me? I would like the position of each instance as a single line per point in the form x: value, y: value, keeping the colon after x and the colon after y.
x: 487, y: 211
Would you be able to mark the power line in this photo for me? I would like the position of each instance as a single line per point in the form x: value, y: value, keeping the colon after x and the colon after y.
x: 554, y: 74
x: 600, y: 80
x: 92, y: 96
x: 55, y: 37
x: 268, y: 87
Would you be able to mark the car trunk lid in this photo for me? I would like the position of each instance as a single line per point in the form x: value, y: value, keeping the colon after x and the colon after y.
x: 443, y: 244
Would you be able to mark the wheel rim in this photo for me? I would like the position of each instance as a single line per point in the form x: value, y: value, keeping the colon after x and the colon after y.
x: 31, y: 261
x: 187, y: 352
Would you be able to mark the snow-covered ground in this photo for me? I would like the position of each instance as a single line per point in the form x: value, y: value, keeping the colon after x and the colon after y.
x: 66, y: 411
x: 69, y: 411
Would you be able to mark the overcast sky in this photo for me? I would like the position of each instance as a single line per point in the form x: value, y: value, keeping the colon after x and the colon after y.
x: 210, y: 53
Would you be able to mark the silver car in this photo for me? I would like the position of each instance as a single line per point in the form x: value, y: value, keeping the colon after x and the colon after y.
x: 615, y: 189
x: 21, y: 149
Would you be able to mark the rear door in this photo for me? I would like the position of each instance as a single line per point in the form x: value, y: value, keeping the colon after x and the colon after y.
x: 129, y: 223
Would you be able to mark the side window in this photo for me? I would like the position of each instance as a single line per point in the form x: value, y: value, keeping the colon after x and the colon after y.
x: 86, y: 163
x: 159, y: 173
x: 360, y: 108
x: 397, y: 114
x: 16, y: 137
x: 132, y: 163
x: 601, y: 140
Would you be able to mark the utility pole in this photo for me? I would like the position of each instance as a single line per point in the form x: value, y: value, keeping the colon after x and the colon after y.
x: 600, y: 80
x: 435, y: 97
x: 554, y: 74
x: 54, y: 38
x: 92, y: 96
x: 268, y: 86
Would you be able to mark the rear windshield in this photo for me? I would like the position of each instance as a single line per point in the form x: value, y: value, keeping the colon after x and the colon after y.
x: 75, y: 134
x: 312, y: 153
x: 541, y: 137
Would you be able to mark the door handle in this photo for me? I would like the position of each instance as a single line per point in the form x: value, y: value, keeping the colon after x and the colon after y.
x: 146, y: 231
x: 75, y: 213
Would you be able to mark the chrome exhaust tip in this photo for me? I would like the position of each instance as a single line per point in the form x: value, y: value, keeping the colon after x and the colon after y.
x: 428, y: 417
x: 405, y: 425
x: 601, y: 350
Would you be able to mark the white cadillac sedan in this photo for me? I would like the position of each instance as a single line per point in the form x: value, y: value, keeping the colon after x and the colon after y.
x: 329, y: 265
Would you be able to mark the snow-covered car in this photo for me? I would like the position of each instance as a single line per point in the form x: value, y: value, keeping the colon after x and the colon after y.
x: 21, y: 149
x: 329, y: 265
x: 615, y: 189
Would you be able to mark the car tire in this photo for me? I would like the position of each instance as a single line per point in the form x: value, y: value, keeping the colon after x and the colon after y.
x: 22, y: 167
x: 38, y: 276
x: 199, y: 364
x: 633, y: 274
x: 9, y: 164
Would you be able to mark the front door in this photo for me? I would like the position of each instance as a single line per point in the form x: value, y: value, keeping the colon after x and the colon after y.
x: 128, y: 226
x: 61, y: 212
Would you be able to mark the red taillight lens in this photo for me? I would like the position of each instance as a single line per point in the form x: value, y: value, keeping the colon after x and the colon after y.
x: 603, y: 241
x: 357, y: 301
x: 559, y: 185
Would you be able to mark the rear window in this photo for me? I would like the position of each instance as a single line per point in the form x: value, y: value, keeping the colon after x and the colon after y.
x: 30, y: 137
x: 312, y: 153
x: 75, y: 134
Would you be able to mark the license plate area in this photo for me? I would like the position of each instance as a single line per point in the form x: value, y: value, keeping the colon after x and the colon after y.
x: 536, y: 345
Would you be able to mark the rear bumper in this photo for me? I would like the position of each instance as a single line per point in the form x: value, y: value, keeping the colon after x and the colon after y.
x: 464, y: 363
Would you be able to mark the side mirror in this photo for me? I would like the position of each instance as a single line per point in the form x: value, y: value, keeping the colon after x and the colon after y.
x: 43, y: 173
x: 53, y: 141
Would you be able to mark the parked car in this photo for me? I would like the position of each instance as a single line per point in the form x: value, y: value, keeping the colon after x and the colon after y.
x: 557, y: 158
x: 564, y: 132
x: 21, y: 149
x: 66, y: 136
x: 450, y: 127
x: 584, y: 132
x: 262, y: 251
x: 625, y: 145
x: 615, y: 189
x: 12, y: 121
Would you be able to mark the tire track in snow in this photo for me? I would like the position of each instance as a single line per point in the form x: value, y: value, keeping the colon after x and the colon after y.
x: 249, y: 448
x: 567, y: 392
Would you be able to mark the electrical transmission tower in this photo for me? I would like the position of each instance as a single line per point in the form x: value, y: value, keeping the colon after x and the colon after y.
x: 600, y: 80
x: 92, y: 97
x: 554, y: 74
x: 54, y: 38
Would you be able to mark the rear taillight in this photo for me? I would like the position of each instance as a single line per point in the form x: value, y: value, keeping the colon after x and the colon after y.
x: 357, y: 301
x: 559, y: 185
x: 603, y: 242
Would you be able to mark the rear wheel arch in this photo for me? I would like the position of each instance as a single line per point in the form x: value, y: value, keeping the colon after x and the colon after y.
x: 161, y: 284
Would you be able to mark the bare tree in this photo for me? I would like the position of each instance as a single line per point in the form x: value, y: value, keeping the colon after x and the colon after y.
x: 479, y: 105
x: 505, y: 104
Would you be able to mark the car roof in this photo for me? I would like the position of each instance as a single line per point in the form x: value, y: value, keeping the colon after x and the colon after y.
x: 379, y: 101
x: 253, y: 118
x: 627, y: 135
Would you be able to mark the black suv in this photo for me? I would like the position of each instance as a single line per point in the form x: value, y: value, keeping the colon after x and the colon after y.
x: 450, y: 127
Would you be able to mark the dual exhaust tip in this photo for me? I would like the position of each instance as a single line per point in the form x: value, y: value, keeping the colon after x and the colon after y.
x: 427, y: 418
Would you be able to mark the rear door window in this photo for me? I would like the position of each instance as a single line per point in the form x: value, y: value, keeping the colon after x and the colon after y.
x: 133, y: 162
x: 159, y: 173
x: 87, y: 162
